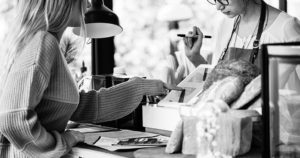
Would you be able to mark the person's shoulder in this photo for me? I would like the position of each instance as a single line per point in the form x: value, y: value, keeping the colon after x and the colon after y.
x: 290, y: 27
x: 48, y: 49
x: 282, y: 26
x: 289, y: 20
x: 47, y: 39
x: 274, y: 13
x: 36, y: 50
x: 42, y: 42
x: 280, y: 17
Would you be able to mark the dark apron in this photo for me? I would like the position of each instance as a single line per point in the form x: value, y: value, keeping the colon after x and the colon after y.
x: 251, y: 55
x: 244, y: 54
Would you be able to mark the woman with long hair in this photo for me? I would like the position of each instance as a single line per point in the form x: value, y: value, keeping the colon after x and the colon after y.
x: 38, y: 95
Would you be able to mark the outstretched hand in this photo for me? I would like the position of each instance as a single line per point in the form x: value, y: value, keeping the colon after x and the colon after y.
x: 164, y: 88
x: 171, y: 87
x: 167, y: 87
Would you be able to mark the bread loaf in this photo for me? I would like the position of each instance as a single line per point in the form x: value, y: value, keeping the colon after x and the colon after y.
x: 227, y: 89
x: 238, y: 68
x: 251, y: 92
x: 175, y: 142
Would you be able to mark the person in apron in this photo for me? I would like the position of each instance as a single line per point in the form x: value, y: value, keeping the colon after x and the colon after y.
x: 228, y: 53
x: 254, y: 19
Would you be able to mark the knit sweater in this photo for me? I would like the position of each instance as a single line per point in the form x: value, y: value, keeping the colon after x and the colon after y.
x: 40, y: 97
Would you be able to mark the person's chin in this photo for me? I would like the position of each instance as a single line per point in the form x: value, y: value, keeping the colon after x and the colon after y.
x: 230, y: 15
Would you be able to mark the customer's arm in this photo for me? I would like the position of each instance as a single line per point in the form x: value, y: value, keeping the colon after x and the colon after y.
x: 113, y: 103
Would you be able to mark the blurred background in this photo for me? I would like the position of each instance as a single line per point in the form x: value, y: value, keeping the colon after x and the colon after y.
x: 149, y: 32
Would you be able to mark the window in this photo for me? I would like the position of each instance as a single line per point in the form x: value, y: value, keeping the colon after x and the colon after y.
x: 274, y: 3
x: 293, y: 8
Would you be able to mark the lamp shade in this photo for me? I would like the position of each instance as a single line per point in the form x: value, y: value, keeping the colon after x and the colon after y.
x: 101, y: 22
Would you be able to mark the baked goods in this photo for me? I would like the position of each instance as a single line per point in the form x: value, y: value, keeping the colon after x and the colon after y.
x: 228, y: 89
x: 175, y: 142
x: 239, y: 68
x: 249, y: 96
x: 226, y: 82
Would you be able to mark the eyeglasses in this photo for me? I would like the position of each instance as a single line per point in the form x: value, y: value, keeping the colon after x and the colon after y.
x: 222, y: 2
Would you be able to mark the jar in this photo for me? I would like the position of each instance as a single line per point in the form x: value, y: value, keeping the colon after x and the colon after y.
x: 281, y: 99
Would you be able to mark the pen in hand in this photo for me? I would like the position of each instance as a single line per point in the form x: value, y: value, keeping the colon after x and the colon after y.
x: 183, y: 35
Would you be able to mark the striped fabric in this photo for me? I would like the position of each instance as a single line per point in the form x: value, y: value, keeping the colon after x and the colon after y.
x: 40, y: 97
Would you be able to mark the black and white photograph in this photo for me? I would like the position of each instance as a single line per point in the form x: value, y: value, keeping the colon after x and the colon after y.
x: 150, y: 79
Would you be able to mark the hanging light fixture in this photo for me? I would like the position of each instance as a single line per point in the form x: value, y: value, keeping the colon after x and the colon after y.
x: 101, y: 22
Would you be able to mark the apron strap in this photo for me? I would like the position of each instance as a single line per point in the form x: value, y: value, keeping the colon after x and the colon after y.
x: 262, y: 18
x: 236, y: 23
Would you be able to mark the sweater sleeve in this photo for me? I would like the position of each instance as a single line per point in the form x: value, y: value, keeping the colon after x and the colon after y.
x: 113, y: 103
x: 19, y: 123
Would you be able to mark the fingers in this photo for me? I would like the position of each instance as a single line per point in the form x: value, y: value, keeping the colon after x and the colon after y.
x: 193, y: 37
x: 185, y: 40
x: 194, y: 31
x: 172, y: 87
x: 198, y: 32
x: 190, y: 39
x: 163, y: 88
x: 73, y: 137
x: 79, y: 136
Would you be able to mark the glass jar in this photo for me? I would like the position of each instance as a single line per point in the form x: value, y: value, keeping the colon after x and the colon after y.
x: 281, y: 98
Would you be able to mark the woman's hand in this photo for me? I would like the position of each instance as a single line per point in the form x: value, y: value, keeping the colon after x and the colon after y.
x: 193, y: 46
x: 154, y: 87
x: 165, y: 87
x: 171, y: 87
x: 73, y: 137
x: 78, y: 135
x: 162, y: 90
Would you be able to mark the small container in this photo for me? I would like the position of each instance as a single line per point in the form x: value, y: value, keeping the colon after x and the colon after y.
x: 119, y: 71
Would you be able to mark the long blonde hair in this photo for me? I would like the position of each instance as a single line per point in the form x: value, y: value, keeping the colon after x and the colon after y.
x: 33, y: 16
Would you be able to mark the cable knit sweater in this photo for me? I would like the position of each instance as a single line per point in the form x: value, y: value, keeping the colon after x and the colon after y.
x: 40, y: 97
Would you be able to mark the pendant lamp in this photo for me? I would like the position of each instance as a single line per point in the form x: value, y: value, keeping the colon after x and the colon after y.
x: 101, y: 22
